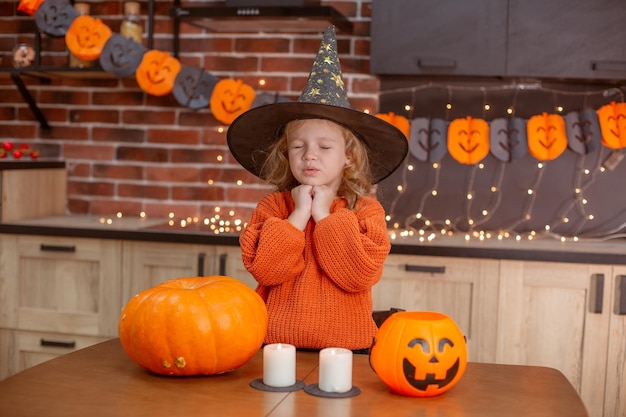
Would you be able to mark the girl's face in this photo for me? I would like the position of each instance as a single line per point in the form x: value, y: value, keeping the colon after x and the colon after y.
x: 317, y: 152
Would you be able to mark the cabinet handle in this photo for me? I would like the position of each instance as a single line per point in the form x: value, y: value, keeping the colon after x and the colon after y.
x: 436, y: 62
x: 608, y: 65
x: 201, y: 257
x: 222, y: 268
x: 621, y: 302
x: 56, y: 248
x: 597, y: 293
x: 425, y: 268
x: 56, y: 343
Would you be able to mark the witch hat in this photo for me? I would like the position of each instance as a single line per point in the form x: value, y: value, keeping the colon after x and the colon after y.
x: 324, y: 97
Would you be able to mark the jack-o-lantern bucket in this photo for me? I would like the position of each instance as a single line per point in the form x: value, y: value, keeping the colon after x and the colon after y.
x: 419, y: 353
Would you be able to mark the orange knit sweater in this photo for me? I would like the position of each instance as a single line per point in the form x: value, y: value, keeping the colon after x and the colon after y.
x: 317, y: 283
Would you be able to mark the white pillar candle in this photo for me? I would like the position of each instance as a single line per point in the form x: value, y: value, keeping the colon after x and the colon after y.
x: 335, y: 374
x: 279, y: 365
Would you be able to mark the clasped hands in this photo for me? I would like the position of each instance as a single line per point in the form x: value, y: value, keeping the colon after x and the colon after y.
x: 311, y: 201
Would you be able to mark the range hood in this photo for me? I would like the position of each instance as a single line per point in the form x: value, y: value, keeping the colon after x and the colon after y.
x: 263, y: 18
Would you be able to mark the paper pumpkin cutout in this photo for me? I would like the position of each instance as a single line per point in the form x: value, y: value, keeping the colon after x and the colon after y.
x: 468, y: 140
x: 507, y: 139
x: 86, y: 37
x: 231, y: 98
x: 193, y: 87
x: 121, y: 56
x: 54, y: 17
x: 546, y: 136
x: 427, y: 139
x: 400, y: 122
x: 612, y: 119
x: 29, y: 6
x: 583, y: 131
x: 157, y: 72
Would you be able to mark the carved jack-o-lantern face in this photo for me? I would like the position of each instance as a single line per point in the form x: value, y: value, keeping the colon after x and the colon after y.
x: 427, y: 139
x: 86, y: 37
x: 54, y: 17
x: 419, y: 354
x: 121, y: 56
x: 612, y: 118
x: 468, y: 140
x: 546, y: 136
x: 400, y: 122
x: 157, y: 72
x: 193, y: 87
x: 507, y: 138
x: 231, y: 98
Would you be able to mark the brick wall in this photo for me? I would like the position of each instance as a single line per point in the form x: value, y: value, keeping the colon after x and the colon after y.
x: 127, y: 151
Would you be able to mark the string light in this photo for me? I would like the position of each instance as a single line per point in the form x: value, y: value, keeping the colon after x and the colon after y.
x: 478, y: 209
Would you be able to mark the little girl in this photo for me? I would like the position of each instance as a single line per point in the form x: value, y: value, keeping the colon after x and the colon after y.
x: 317, y: 245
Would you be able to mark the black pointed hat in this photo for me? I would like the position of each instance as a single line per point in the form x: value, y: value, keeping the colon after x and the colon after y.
x: 324, y: 97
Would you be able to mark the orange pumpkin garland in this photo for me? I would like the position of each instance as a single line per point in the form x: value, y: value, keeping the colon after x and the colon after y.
x: 612, y: 119
x: 468, y: 140
x: 547, y: 139
x: 157, y: 72
x: 193, y: 326
x: 400, y: 122
x: 86, y: 37
x: 230, y: 98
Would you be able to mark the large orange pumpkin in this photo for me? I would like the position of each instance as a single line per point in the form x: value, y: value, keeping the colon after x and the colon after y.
x: 193, y: 326
x: 419, y: 353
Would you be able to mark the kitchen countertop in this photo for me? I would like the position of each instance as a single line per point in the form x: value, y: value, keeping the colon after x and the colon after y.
x: 158, y: 230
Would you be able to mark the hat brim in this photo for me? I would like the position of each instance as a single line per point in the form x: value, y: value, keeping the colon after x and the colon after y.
x: 252, y: 133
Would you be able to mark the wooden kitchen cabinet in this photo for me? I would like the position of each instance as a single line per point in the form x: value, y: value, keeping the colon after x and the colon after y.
x: 58, y: 290
x: 562, y: 315
x: 147, y: 264
x: 464, y: 289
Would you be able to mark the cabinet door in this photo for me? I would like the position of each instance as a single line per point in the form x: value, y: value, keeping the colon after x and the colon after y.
x: 64, y: 285
x: 452, y: 37
x: 20, y: 350
x: 464, y: 289
x: 567, y: 38
x: 229, y: 263
x: 147, y: 264
x: 549, y: 315
x: 615, y: 396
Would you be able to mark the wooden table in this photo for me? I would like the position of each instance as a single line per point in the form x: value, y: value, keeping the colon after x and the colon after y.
x: 102, y: 381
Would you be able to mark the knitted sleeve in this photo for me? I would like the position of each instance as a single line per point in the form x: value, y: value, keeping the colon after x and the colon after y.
x: 272, y: 248
x: 351, y: 246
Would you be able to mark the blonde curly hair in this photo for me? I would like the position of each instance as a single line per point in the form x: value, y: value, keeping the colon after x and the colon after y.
x: 357, y: 178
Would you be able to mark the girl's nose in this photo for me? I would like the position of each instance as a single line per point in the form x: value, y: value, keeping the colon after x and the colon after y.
x: 309, y: 154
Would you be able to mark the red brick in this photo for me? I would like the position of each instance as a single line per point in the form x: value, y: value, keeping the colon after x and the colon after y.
x: 178, y: 136
x: 172, y: 174
x: 118, y: 98
x: 232, y: 63
x: 124, y: 172
x: 92, y: 188
x: 110, y: 207
x: 50, y: 114
x: 79, y: 170
x: 144, y: 117
x: 144, y: 154
x: 213, y: 137
x: 88, y: 152
x: 18, y: 131
x: 118, y: 135
x: 94, y: 116
x: 63, y: 97
x: 203, y: 156
x: 204, y: 193
x: 260, y: 45
x: 151, y: 192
